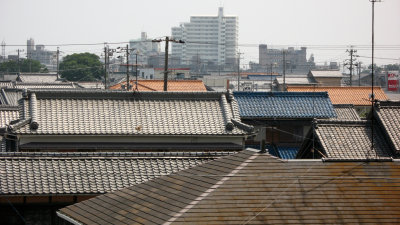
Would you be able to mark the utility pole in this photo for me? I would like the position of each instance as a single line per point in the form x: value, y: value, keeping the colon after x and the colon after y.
x: 358, y: 65
x: 30, y: 61
x: 127, y: 49
x: 372, y: 74
x: 107, y: 53
x: 166, y: 64
x: 284, y: 69
x: 127, y: 68
x: 19, y: 66
x: 271, y: 77
x: 105, y: 66
x: 58, y: 58
x: 136, y: 87
x: 167, y: 40
x: 350, y: 62
x: 238, y: 84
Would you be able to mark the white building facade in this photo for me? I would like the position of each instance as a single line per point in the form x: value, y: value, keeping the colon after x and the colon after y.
x: 213, y: 39
x: 145, y: 48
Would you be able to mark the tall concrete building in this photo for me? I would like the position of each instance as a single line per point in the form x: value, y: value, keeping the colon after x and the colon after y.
x: 145, y: 47
x: 211, y: 39
x: 30, y: 47
x: 39, y: 53
x: 296, y: 59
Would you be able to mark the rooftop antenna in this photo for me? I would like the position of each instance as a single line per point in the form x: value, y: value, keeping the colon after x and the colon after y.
x: 372, y: 80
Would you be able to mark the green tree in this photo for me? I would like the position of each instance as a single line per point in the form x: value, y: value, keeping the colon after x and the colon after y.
x: 81, y: 67
x: 376, y: 68
x: 26, y: 65
x: 392, y: 67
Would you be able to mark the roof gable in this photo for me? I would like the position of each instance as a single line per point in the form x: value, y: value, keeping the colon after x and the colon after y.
x: 358, y: 96
x: 346, y: 140
x: 284, y: 105
x: 388, y: 115
x: 254, y: 188
x: 96, y: 112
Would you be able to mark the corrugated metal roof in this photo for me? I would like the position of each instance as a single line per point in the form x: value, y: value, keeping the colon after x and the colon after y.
x: 254, y: 188
x: 284, y: 105
x: 287, y: 152
x: 358, y: 96
x: 326, y: 73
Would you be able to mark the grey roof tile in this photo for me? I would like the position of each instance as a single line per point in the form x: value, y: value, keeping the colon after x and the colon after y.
x: 346, y: 140
x: 345, y: 112
x: 388, y: 115
x: 287, y: 105
x: 254, y: 188
x: 87, y: 112
x: 89, y: 173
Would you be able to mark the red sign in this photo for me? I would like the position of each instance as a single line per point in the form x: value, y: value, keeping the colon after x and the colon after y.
x: 393, y: 82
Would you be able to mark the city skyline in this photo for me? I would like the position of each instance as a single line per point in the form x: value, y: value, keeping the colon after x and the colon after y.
x: 327, y: 29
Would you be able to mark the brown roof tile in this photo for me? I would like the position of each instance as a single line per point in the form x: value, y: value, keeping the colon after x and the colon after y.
x: 158, y: 85
x: 358, y: 96
x: 259, y: 189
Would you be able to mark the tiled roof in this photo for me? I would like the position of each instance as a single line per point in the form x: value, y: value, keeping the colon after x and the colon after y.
x: 10, y: 96
x: 97, y: 112
x: 8, y: 114
x: 358, y: 96
x: 39, y: 78
x: 388, y: 115
x: 345, y: 112
x: 88, y: 173
x: 158, y: 85
x: 347, y: 140
x: 38, y: 85
x: 129, y: 146
x: 284, y: 105
x: 64, y: 85
x: 326, y: 73
x: 254, y: 188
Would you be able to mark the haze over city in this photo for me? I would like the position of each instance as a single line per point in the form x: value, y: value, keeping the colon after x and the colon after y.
x: 327, y: 28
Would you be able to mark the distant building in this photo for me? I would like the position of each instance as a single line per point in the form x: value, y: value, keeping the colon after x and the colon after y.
x: 213, y: 39
x: 48, y: 58
x: 296, y: 60
x: 145, y: 48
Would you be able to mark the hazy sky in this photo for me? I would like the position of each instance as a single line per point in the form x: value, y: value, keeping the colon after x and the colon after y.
x: 318, y: 24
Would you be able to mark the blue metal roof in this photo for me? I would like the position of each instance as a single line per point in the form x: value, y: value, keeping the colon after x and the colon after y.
x: 284, y: 105
x: 279, y: 151
x: 287, y: 152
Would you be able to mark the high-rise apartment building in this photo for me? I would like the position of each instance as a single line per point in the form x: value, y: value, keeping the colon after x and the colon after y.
x: 211, y: 39
x: 145, y: 48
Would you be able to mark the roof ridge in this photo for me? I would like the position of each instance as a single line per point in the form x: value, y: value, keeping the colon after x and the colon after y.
x: 114, y: 154
x: 282, y: 93
x: 118, y: 94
